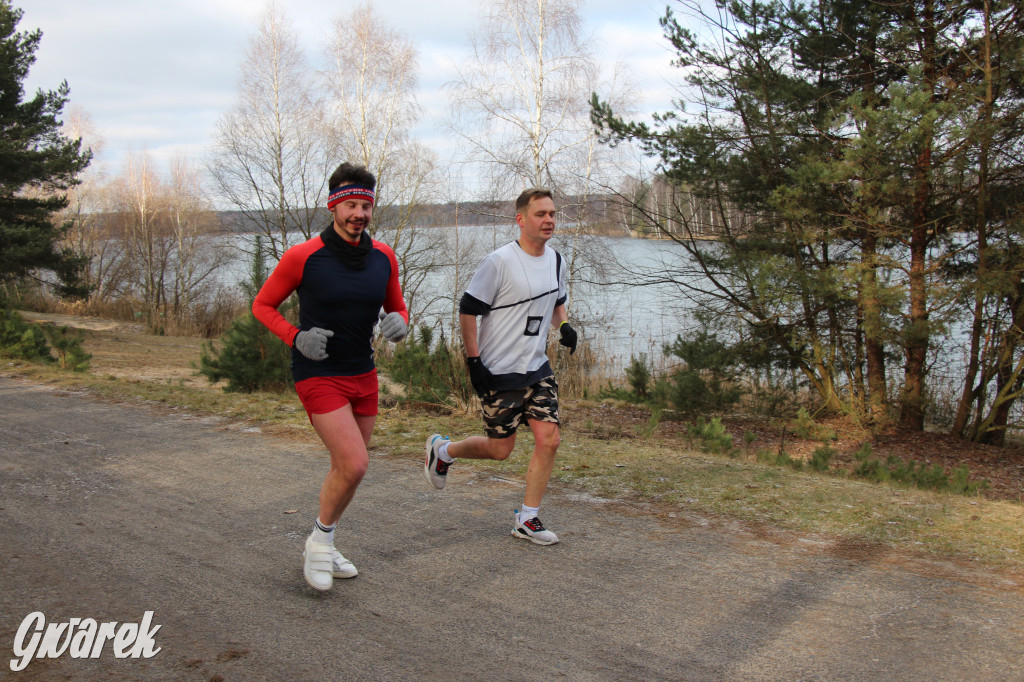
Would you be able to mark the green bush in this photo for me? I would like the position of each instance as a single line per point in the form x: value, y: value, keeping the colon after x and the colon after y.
x: 780, y: 458
x: 872, y: 470
x: 430, y: 372
x: 821, y: 457
x: 707, y: 381
x: 612, y: 392
x: 868, y: 467
x: 804, y: 427
x: 688, y: 392
x: 914, y: 474
x: 803, y: 424
x: 962, y: 483
x: 783, y: 459
x: 67, y: 344
x: 712, y: 436
x: 638, y: 374
x: 248, y: 356
x: 19, y: 339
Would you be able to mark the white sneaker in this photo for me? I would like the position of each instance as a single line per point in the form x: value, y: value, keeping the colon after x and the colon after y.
x: 534, y: 531
x: 435, y: 469
x: 318, y: 567
x: 342, y: 567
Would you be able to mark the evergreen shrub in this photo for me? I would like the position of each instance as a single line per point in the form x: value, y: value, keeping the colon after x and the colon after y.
x: 708, y: 379
x: 32, y: 342
x: 67, y: 344
x: 638, y: 374
x: 712, y: 436
x: 248, y: 355
x: 20, y: 339
x: 433, y: 373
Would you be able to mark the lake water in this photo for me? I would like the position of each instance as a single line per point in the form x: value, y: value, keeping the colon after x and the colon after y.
x: 618, y: 318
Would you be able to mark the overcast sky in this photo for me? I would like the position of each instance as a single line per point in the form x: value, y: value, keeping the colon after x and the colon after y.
x: 156, y: 76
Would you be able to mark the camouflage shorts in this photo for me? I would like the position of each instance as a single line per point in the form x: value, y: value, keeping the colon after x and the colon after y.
x: 505, y: 410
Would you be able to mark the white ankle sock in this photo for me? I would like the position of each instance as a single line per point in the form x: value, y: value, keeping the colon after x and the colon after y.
x: 442, y: 453
x: 527, y: 513
x: 323, y: 533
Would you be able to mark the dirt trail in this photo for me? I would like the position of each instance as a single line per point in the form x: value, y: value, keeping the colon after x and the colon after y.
x: 108, y: 511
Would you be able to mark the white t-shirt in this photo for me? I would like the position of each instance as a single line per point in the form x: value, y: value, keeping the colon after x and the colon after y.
x: 522, y: 291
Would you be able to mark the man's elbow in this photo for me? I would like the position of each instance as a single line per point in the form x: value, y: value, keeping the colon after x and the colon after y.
x: 471, y: 306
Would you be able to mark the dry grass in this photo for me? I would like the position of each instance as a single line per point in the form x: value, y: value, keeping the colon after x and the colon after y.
x: 614, y: 456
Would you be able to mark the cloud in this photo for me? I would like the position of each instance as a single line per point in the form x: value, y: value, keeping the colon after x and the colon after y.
x: 158, y: 76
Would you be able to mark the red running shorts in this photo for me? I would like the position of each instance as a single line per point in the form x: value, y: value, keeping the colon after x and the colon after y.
x: 320, y: 395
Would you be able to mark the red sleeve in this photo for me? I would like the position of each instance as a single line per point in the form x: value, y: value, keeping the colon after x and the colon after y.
x: 285, y: 279
x: 393, y: 300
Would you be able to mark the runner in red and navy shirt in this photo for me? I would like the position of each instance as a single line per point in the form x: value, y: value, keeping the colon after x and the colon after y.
x: 345, y: 281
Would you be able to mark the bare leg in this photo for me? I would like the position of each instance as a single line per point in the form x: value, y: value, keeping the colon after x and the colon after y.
x: 478, y: 447
x: 346, y: 436
x: 546, y: 436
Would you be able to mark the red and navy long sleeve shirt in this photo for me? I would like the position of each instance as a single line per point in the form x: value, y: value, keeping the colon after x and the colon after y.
x: 331, y: 296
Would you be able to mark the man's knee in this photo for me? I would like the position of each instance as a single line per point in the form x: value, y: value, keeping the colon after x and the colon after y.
x: 546, y: 435
x: 358, y: 471
x: 351, y: 469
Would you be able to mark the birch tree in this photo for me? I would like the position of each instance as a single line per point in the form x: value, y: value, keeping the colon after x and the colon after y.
x: 166, y: 230
x: 197, y: 253
x: 136, y: 208
x: 519, y: 103
x: 371, y: 81
x: 520, y: 106
x: 271, y: 162
x: 89, y: 235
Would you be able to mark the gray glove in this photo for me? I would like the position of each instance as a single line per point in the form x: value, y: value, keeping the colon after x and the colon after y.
x: 313, y: 343
x: 393, y: 326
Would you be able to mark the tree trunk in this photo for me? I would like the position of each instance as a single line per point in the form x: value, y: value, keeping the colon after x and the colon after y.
x: 874, y: 347
x: 977, y: 323
x: 917, y: 333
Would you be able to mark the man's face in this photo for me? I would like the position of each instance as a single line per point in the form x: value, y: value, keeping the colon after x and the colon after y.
x: 537, y: 220
x: 351, y: 217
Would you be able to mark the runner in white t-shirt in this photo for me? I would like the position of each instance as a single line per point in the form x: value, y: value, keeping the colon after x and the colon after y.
x: 518, y: 291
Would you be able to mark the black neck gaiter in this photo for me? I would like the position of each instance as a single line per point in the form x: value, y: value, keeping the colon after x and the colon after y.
x: 352, y: 256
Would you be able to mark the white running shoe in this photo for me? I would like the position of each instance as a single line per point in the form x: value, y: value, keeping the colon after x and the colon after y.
x: 342, y: 567
x: 318, y: 567
x: 533, y: 530
x: 435, y: 469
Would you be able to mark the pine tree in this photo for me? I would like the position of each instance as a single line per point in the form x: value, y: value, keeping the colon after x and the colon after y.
x: 861, y: 161
x: 250, y: 358
x: 37, y: 165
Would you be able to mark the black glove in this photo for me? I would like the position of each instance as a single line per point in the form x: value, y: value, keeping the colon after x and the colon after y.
x: 568, y: 336
x: 479, y: 375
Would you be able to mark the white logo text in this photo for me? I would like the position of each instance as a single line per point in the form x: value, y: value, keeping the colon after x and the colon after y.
x: 82, y: 638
